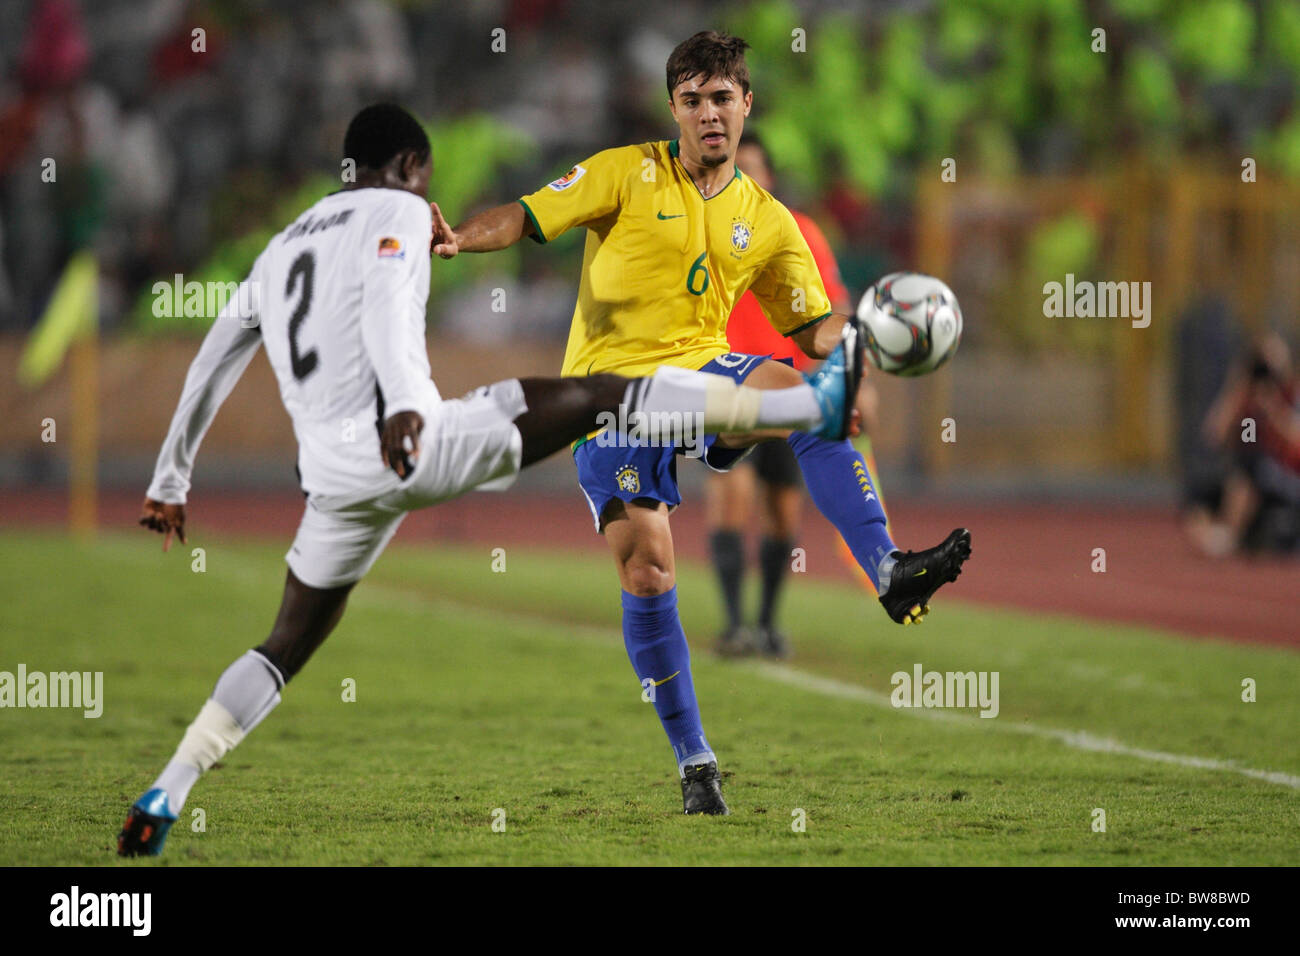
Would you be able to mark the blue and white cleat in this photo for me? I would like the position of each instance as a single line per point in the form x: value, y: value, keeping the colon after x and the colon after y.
x: 146, y: 826
x: 836, y: 383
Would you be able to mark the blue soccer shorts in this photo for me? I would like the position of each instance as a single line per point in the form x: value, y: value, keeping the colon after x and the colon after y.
x: 628, y: 469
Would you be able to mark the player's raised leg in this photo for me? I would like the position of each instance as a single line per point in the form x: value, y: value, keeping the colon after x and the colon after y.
x: 678, y: 405
x: 840, y: 486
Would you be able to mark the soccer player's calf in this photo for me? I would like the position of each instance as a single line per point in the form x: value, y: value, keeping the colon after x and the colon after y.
x: 839, y: 484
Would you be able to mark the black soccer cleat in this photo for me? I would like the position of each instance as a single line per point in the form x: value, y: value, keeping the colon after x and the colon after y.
x: 702, y: 790
x: 917, y: 575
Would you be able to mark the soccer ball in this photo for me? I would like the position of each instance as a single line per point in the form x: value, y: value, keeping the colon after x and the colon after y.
x: 912, y: 323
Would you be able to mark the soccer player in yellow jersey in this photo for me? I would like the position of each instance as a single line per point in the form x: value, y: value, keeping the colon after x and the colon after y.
x: 675, y: 234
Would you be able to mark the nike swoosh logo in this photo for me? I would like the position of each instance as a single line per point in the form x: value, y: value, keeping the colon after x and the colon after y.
x: 677, y: 216
x: 921, y: 572
x: 666, y: 679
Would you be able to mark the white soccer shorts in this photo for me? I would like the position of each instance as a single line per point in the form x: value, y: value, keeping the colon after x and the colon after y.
x: 467, y: 443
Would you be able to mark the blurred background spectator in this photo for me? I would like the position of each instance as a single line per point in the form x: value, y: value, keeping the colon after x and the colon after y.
x: 1255, y: 420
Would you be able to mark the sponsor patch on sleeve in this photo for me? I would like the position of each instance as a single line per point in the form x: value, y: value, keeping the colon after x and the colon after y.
x: 568, y: 179
x: 391, y: 248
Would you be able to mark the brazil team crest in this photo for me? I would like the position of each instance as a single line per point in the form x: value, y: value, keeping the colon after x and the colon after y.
x: 629, y: 480
x: 742, y: 231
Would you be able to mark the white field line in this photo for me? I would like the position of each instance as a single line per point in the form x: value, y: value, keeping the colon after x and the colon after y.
x: 1078, y: 739
x: 388, y: 596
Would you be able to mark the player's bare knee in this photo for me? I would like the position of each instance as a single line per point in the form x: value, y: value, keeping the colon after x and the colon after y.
x: 647, y: 577
x: 641, y: 543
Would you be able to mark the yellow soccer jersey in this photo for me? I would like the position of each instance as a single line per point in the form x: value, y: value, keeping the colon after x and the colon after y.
x: 663, y: 266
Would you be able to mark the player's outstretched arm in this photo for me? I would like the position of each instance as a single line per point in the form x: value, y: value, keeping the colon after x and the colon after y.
x: 493, y: 229
x: 818, y: 341
x: 225, y: 353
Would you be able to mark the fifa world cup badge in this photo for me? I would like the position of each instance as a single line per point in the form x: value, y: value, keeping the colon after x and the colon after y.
x: 628, y: 479
x: 568, y: 179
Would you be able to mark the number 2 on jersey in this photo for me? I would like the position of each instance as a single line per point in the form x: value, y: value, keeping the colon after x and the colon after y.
x: 305, y: 266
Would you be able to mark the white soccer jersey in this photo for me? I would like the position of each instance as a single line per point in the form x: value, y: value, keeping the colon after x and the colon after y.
x: 338, y: 300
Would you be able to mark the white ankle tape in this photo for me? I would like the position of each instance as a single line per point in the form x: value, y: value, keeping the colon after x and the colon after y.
x: 728, y: 407
x: 210, y: 737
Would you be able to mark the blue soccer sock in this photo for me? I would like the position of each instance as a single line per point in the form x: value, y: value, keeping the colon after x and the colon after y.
x: 656, y: 645
x: 841, y: 488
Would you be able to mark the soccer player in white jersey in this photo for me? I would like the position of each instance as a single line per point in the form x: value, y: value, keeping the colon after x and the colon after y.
x: 339, y: 307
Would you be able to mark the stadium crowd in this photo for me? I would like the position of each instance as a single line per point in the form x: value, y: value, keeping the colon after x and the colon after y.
x: 174, y: 124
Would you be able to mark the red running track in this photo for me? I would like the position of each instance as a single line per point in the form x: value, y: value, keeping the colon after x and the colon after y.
x: 1034, y: 557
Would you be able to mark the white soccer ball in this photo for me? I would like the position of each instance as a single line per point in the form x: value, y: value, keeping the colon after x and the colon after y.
x: 912, y: 323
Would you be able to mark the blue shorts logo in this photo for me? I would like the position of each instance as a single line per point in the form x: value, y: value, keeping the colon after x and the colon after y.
x: 732, y: 359
x: 629, y: 480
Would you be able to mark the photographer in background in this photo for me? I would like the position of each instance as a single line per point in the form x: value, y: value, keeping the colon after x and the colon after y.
x: 1256, y: 419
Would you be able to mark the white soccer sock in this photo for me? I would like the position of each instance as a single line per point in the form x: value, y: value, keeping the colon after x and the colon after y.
x: 177, y: 778
x: 245, y: 693
x: 795, y: 408
x: 248, y: 689
x: 723, y: 405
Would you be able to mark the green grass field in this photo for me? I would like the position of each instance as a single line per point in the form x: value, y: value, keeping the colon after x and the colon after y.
x: 478, y: 690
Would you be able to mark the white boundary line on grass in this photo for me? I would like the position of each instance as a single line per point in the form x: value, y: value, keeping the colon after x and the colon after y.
x: 1078, y: 739
x: 386, y: 595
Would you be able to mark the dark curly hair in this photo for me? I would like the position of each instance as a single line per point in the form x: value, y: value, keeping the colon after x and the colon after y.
x: 709, y: 53
x: 380, y: 132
